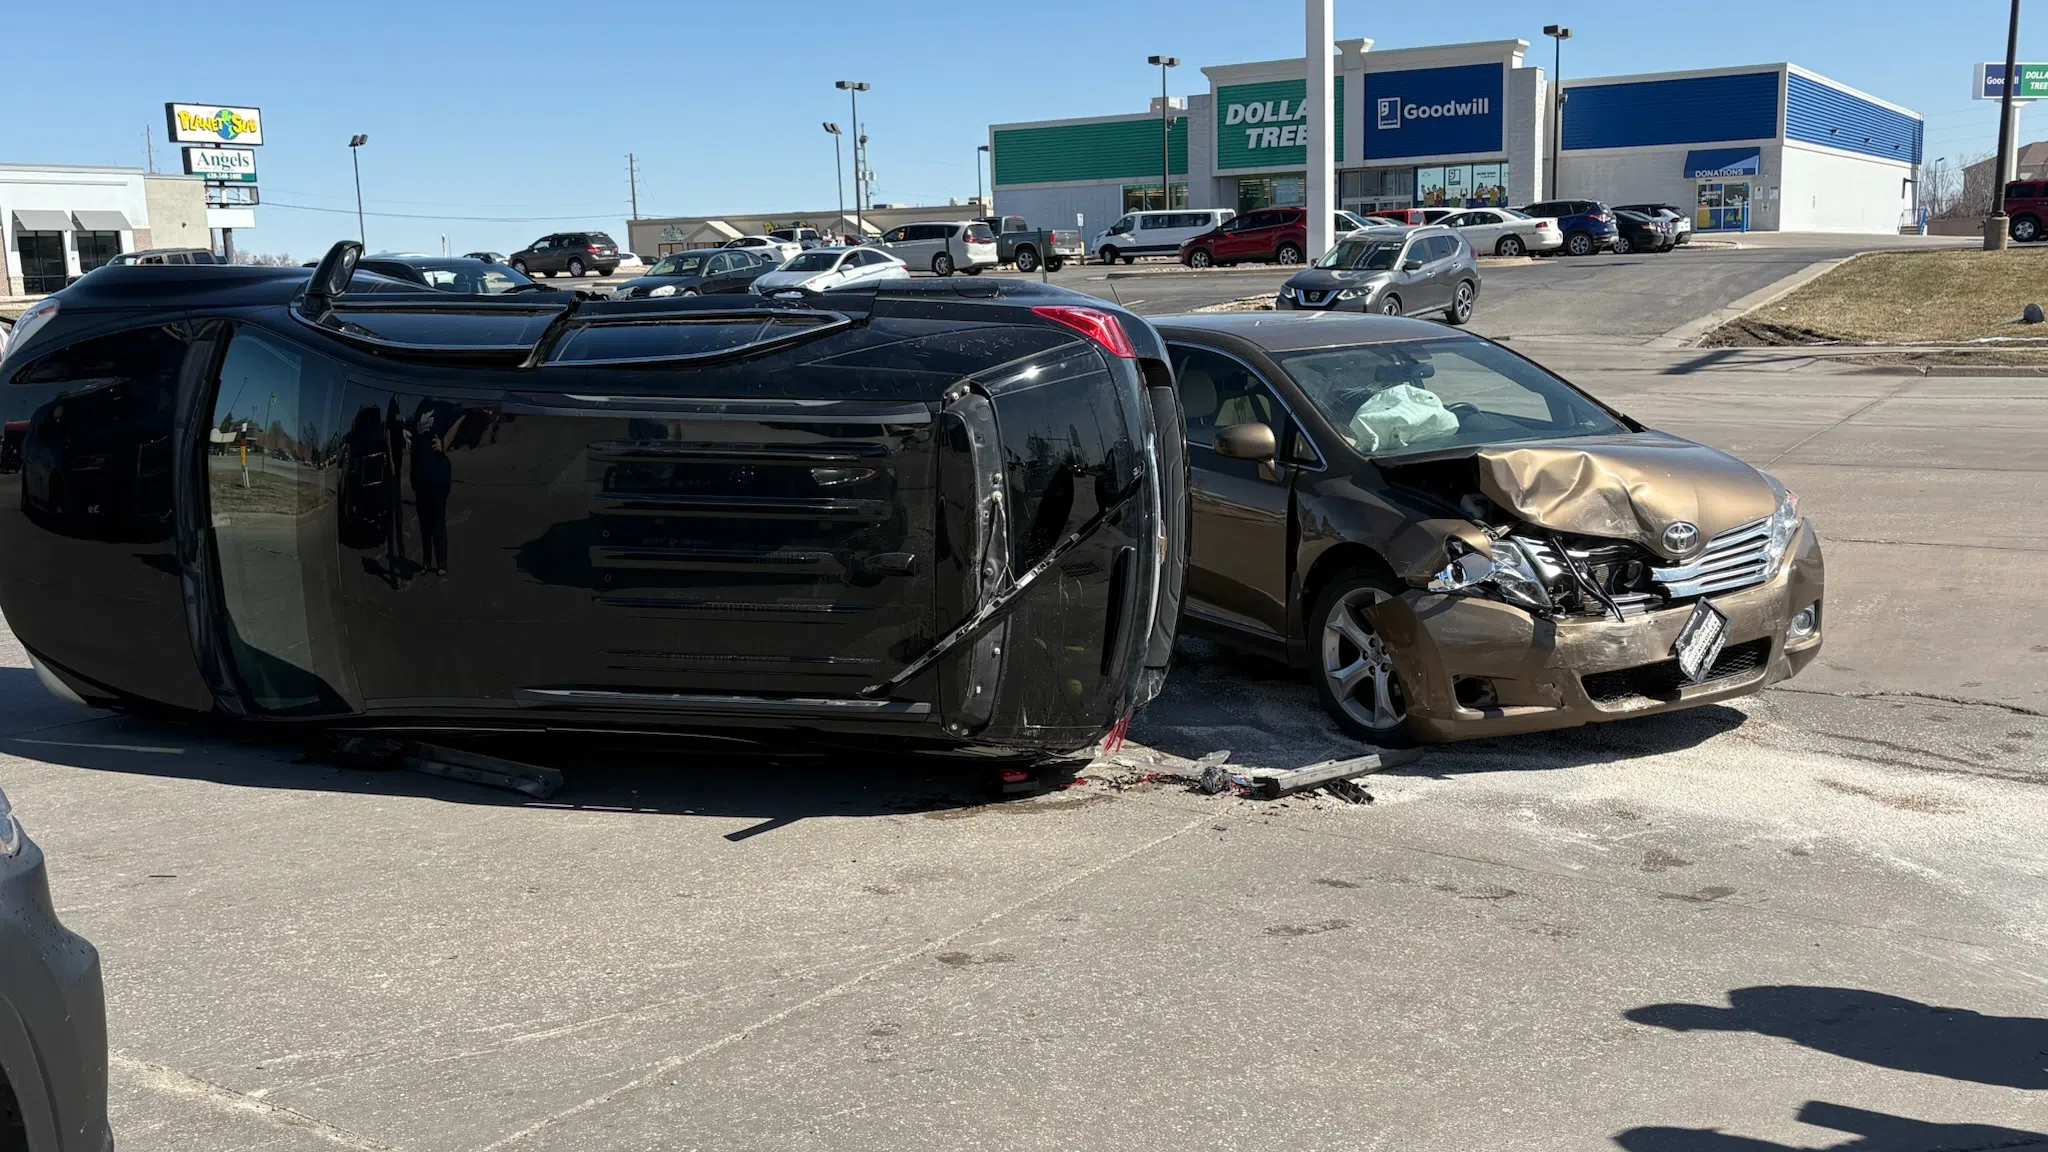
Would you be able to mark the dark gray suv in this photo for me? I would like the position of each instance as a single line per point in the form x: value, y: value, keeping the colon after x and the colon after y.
x: 1395, y: 271
x: 53, y: 1017
x: 571, y: 252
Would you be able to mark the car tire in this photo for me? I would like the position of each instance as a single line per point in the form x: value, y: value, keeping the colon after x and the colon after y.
x: 1027, y: 259
x: 972, y: 271
x: 2026, y: 229
x: 942, y: 265
x: 1108, y: 255
x: 1509, y: 246
x: 1055, y: 264
x: 1463, y: 297
x: 689, y: 292
x: 1354, y: 672
x: 1287, y: 254
x: 576, y: 268
x: 1130, y: 259
x: 1621, y: 245
x: 1200, y: 258
x: 1581, y: 244
x: 519, y: 266
x: 1390, y: 305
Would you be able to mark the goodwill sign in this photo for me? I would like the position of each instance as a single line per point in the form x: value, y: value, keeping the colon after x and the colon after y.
x: 1433, y: 112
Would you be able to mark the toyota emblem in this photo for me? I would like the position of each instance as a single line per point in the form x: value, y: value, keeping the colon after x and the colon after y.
x: 1681, y: 538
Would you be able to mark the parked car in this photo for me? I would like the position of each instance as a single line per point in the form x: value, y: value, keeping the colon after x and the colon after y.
x: 698, y: 272
x: 2026, y: 209
x: 167, y: 256
x: 828, y: 269
x: 571, y: 252
x: 1279, y: 235
x: 1440, y: 214
x: 486, y: 257
x: 1351, y: 222
x: 53, y: 1014
x: 1395, y: 271
x: 1680, y: 219
x: 1019, y: 243
x: 451, y: 274
x: 1409, y: 216
x: 769, y: 248
x: 1138, y: 234
x: 943, y: 246
x: 1455, y: 542
x: 1588, y: 225
x: 1636, y: 232
x: 804, y: 237
x: 831, y: 518
x: 1506, y: 232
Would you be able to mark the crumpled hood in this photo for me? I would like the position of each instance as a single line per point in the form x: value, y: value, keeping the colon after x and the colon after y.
x: 1626, y: 487
x: 1325, y: 279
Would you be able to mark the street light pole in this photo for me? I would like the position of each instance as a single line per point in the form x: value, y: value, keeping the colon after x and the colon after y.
x: 853, y: 90
x: 1165, y: 130
x: 1995, y: 224
x: 838, y: 175
x: 979, y: 150
x: 1558, y: 34
x: 355, y: 144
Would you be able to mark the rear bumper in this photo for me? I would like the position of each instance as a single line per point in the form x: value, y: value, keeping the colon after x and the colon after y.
x: 53, y: 1021
x: 1543, y: 241
x: 1548, y: 674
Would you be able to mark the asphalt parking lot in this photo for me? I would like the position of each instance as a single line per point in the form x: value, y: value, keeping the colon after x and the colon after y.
x: 1815, y: 919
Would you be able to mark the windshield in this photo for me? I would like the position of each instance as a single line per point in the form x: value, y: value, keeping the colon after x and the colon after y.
x: 681, y: 264
x: 1427, y: 395
x: 1121, y: 226
x: 813, y: 262
x: 1370, y: 254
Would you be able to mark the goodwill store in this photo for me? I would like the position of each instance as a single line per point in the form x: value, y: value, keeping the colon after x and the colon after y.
x: 1763, y: 147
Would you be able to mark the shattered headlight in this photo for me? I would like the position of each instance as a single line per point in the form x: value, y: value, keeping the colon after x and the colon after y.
x: 1784, y: 526
x: 1507, y: 572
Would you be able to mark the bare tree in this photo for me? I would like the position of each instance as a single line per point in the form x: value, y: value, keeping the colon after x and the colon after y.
x: 267, y: 259
x: 1941, y: 188
x: 1979, y: 180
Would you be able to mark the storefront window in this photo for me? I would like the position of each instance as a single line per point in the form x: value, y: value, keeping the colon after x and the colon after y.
x: 1462, y: 186
x: 42, y: 261
x: 1141, y: 197
x: 96, y: 248
x: 1723, y: 207
x: 1255, y: 192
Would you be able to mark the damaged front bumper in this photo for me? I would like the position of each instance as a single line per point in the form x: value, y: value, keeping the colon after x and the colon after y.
x: 1472, y: 666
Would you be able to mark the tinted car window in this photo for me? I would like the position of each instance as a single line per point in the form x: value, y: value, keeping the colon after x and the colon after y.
x: 2020, y: 192
x: 1362, y: 252
x: 1442, y: 247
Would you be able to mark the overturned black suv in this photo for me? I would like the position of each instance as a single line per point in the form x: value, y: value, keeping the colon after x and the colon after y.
x: 945, y: 515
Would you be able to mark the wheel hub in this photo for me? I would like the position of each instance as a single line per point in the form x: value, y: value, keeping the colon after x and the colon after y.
x: 1358, y: 666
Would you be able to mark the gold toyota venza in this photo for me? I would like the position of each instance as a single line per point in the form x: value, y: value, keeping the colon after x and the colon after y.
x: 1458, y: 543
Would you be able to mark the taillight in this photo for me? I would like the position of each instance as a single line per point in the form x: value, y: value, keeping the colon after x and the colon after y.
x: 590, y: 248
x: 17, y: 426
x: 1102, y: 327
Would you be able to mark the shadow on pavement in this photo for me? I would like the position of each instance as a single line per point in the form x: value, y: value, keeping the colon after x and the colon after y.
x: 1873, y: 1132
x: 1871, y: 1027
x: 682, y: 775
x: 1268, y: 716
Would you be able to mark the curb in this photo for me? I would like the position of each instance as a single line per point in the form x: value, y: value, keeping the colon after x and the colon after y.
x: 1684, y: 335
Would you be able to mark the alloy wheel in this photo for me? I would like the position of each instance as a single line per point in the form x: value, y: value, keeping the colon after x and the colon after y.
x: 1288, y: 254
x: 1461, y: 304
x: 1621, y: 245
x: 1357, y: 665
x: 1391, y: 306
x: 1510, y: 246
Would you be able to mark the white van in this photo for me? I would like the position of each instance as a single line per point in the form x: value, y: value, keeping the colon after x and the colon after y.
x: 943, y: 246
x: 1138, y: 234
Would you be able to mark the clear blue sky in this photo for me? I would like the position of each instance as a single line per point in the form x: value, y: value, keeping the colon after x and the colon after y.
x: 512, y: 108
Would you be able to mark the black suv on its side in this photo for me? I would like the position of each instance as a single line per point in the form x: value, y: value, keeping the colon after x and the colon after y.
x: 571, y: 252
x: 926, y: 513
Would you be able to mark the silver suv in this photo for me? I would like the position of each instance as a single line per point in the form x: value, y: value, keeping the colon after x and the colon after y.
x: 1395, y: 271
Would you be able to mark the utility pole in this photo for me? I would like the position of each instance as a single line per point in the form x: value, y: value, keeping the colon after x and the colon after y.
x: 1165, y: 130
x: 355, y: 148
x: 149, y: 146
x: 633, y: 182
x: 1995, y: 224
x: 1558, y: 34
x: 838, y: 174
x: 853, y: 89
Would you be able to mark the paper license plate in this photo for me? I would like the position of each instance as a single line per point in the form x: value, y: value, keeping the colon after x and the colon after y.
x: 1699, y: 642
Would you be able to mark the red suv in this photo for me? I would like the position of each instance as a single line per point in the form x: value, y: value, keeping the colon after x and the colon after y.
x: 1276, y: 234
x: 2026, y: 205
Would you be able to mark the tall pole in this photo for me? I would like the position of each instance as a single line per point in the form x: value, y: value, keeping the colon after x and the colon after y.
x: 355, y: 151
x: 978, y: 201
x: 838, y: 175
x: 633, y: 182
x: 1322, y: 148
x: 853, y: 90
x: 1165, y: 130
x: 149, y: 145
x: 1995, y: 224
x: 1558, y: 34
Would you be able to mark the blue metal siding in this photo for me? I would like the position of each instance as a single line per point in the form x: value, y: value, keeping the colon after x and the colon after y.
x: 1820, y: 114
x: 1692, y: 110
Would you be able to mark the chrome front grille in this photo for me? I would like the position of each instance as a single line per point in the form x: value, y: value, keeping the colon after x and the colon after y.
x: 1734, y: 559
x: 1309, y: 296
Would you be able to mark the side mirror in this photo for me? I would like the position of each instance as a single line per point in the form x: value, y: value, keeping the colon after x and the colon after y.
x: 1247, y: 442
x: 1411, y: 265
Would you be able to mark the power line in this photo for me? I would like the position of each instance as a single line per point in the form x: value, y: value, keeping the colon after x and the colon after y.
x: 438, y: 215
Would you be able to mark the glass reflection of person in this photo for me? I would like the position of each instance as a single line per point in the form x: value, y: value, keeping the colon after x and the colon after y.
x: 395, y: 433
x: 434, y: 426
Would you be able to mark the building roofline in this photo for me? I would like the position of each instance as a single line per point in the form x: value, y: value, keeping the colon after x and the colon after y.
x: 1817, y: 78
x: 1111, y: 119
x: 13, y: 167
x: 1640, y: 77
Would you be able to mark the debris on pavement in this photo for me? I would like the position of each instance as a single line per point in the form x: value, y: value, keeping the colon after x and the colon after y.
x: 451, y: 763
x: 1212, y: 775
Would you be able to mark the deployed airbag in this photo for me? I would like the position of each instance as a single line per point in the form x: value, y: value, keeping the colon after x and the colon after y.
x: 1399, y: 416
